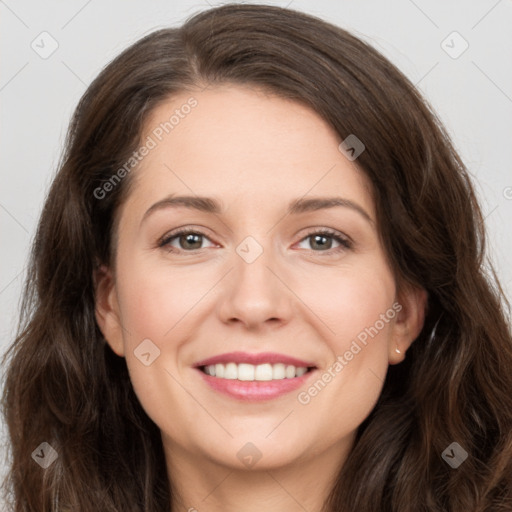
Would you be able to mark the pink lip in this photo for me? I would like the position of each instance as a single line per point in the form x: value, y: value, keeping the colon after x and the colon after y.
x: 261, y: 358
x: 254, y: 391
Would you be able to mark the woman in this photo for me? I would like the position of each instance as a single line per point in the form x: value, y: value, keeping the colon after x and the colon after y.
x: 261, y: 367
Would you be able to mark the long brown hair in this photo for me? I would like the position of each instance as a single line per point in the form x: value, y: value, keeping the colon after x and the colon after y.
x: 66, y: 387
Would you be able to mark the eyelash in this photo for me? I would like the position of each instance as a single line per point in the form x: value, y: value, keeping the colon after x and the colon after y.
x: 345, y: 243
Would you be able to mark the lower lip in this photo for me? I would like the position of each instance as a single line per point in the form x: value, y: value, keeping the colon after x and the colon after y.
x: 255, y: 391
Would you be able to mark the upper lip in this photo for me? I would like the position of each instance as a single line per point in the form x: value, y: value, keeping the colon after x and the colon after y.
x: 254, y: 359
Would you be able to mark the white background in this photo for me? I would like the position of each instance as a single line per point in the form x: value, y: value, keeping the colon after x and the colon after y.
x: 472, y: 95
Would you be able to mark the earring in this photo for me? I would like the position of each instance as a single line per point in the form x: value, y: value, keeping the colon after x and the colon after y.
x: 397, y: 350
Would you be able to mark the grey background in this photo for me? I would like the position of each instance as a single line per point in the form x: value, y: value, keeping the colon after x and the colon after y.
x: 471, y: 93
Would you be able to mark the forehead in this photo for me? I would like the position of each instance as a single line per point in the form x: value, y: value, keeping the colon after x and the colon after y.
x: 245, y: 147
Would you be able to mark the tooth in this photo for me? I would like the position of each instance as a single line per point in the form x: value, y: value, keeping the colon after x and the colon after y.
x: 263, y: 372
x: 231, y: 371
x: 249, y: 372
x: 278, y: 371
x: 219, y: 370
x: 290, y: 372
x: 245, y: 371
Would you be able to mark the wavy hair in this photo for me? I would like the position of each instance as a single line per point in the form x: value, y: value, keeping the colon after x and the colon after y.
x: 66, y: 387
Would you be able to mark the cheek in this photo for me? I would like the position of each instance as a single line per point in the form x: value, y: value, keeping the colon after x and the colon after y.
x: 358, y: 308
x: 155, y: 302
x: 349, y: 301
x: 157, y: 309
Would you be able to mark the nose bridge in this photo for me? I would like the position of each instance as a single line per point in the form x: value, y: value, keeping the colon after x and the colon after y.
x: 252, y: 261
x: 254, y: 293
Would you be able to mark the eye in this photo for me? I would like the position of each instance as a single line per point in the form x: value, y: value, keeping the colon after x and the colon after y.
x: 322, y: 240
x: 187, y: 239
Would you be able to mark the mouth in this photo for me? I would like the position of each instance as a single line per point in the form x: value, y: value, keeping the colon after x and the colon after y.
x: 254, y: 377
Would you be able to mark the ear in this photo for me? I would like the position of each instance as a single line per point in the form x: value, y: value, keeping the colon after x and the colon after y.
x: 107, y: 309
x: 411, y: 305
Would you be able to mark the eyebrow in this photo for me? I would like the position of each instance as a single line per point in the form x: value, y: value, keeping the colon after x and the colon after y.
x: 210, y: 205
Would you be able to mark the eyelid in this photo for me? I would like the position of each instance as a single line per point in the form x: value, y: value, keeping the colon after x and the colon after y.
x: 329, y: 231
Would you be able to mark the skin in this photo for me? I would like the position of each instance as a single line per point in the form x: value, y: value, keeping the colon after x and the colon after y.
x: 254, y: 153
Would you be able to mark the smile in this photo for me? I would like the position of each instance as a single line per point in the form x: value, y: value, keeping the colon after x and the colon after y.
x: 253, y: 377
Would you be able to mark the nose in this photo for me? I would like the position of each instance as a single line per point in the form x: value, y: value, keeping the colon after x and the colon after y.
x: 255, y: 293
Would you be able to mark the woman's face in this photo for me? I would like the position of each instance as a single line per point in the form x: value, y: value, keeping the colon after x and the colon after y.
x: 255, y: 277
